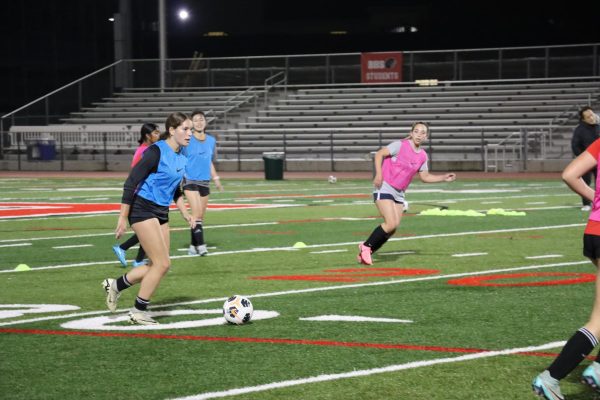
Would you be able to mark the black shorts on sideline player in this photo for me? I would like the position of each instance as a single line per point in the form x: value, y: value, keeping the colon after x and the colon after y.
x: 142, y: 209
x: 197, y: 186
x: 591, y: 246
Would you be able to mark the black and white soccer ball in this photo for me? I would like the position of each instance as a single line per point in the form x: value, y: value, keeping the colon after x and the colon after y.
x: 238, y: 310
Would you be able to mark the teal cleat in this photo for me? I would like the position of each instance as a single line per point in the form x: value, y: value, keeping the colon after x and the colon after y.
x: 120, y: 253
x: 139, y: 263
x: 591, y: 376
x: 547, y: 387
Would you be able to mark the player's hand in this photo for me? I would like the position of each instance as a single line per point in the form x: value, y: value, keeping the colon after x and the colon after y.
x: 190, y: 220
x: 450, y: 177
x: 121, y: 227
x: 377, y: 181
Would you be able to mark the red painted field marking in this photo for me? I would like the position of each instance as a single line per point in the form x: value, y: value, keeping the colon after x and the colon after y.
x: 385, y: 346
x: 350, y: 274
x: 580, y: 277
x: 39, y: 209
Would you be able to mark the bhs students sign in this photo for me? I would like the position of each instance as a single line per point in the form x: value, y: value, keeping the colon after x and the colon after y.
x: 381, y: 67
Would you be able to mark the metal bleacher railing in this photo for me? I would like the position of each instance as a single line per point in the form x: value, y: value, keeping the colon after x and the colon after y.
x: 248, y: 81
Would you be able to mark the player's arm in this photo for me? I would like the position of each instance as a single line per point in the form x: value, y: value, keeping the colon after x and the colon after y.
x: 147, y: 165
x: 215, y: 177
x: 377, y: 161
x: 180, y: 203
x: 575, y: 170
x: 426, y: 177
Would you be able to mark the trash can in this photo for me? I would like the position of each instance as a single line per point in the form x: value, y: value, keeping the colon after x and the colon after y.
x: 47, y: 149
x: 273, y: 165
x: 33, y: 150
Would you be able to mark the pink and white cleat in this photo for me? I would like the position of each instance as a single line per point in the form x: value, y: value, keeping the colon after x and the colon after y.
x: 364, y: 255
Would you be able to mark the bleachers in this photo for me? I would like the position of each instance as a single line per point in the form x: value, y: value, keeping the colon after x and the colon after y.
x: 343, y: 122
x: 353, y: 121
x: 136, y: 107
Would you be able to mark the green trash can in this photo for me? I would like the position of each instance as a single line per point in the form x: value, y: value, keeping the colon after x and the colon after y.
x: 273, y: 165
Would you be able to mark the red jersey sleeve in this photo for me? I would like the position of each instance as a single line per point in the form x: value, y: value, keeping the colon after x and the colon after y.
x: 594, y: 149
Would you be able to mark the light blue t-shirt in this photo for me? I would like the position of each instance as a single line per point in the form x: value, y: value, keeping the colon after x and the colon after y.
x: 200, y: 155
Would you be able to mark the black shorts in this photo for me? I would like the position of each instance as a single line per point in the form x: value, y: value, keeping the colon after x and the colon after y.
x: 386, y: 196
x: 142, y: 209
x: 194, y: 187
x: 591, y: 246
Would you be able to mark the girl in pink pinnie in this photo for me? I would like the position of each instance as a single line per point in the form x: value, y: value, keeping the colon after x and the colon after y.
x: 395, y: 166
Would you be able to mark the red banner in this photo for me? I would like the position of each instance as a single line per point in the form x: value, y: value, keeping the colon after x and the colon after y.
x: 381, y: 67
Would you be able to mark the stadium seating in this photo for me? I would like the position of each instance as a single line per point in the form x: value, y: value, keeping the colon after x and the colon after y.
x: 136, y: 106
x: 351, y: 122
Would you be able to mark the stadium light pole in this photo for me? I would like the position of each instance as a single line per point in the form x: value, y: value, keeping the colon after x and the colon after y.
x: 162, y: 42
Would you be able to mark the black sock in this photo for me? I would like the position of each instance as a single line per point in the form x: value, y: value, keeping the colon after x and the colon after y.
x: 141, y: 254
x: 132, y: 241
x: 198, y: 234
x: 387, y: 236
x: 141, y: 304
x: 377, y: 239
x: 122, y: 283
x: 577, y: 348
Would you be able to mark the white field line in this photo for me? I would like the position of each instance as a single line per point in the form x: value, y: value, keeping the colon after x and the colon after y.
x: 16, y: 245
x: 334, y: 204
x: 544, y: 256
x: 392, y: 253
x: 469, y: 254
x: 73, y: 246
x: 112, y: 233
x: 314, y: 246
x: 329, y: 251
x: 310, y: 290
x: 368, y: 372
x: 353, y: 318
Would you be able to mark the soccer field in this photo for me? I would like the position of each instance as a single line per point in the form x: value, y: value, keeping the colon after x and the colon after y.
x: 455, y: 307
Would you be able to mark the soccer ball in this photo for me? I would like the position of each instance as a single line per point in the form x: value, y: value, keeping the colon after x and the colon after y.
x: 332, y: 179
x: 238, y: 310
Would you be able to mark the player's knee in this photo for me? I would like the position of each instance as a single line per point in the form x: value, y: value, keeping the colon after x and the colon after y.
x: 164, y: 265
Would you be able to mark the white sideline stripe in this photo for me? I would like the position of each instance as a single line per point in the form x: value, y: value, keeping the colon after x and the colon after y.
x: 353, y: 318
x: 314, y: 246
x: 112, y: 233
x: 329, y: 251
x: 73, y: 246
x: 16, y: 245
x: 469, y: 254
x: 491, y: 202
x: 391, y: 253
x: 33, y: 218
x: 544, y: 256
x: 535, y: 202
x: 368, y: 372
x: 311, y: 290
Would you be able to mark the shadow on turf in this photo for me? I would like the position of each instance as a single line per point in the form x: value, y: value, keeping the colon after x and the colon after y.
x: 389, y: 256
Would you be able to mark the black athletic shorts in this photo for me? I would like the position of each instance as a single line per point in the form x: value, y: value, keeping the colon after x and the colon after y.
x: 591, y: 246
x: 142, y: 209
x: 195, y: 187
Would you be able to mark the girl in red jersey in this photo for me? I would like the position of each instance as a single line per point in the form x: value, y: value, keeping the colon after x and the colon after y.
x: 583, y: 341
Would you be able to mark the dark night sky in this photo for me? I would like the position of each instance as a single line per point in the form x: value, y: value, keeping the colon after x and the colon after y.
x: 48, y: 43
